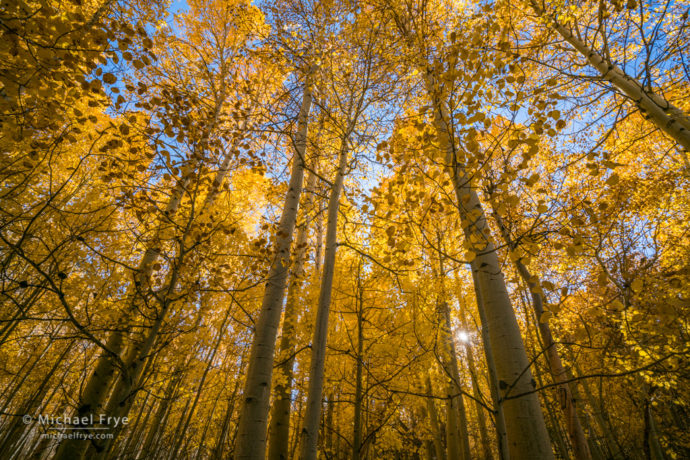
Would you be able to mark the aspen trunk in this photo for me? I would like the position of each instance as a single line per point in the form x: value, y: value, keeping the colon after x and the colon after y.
x: 318, y: 255
x: 525, y: 427
x: 499, y: 418
x: 456, y: 397
x: 251, y: 435
x: 93, y: 398
x: 202, y: 381
x: 121, y: 398
x: 652, y: 446
x: 357, y: 431
x: 481, y: 419
x: 161, y: 414
x: 309, y: 435
x: 667, y: 117
x: 453, y: 442
x: 433, y: 418
x: 177, y: 437
x: 294, y: 442
x: 43, y: 446
x: 279, y: 429
x: 559, y: 373
x: 120, y: 401
x: 137, y: 432
x: 595, y: 442
x: 202, y: 442
x: 159, y: 437
x: 457, y: 438
x: 526, y: 431
x: 652, y: 439
x: 611, y: 441
x: 217, y: 453
x: 18, y: 382
x: 12, y: 435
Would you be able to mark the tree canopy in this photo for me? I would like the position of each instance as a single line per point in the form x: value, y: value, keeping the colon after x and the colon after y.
x: 335, y: 229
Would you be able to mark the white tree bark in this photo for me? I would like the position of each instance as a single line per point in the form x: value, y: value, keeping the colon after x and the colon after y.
x: 279, y: 429
x: 527, y: 435
x: 251, y: 435
x: 310, y: 431
x: 93, y: 398
x: 573, y: 425
x: 667, y: 117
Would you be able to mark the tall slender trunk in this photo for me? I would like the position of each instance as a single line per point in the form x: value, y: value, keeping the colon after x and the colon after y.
x: 12, y: 432
x: 667, y: 117
x: 499, y: 418
x: 121, y: 398
x: 18, y: 382
x: 202, y: 441
x: 357, y: 430
x: 310, y: 430
x: 559, y: 373
x: 279, y: 429
x: 479, y: 409
x: 533, y: 342
x: 161, y: 414
x: 453, y: 442
x: 251, y: 435
x: 204, y: 375
x: 93, y: 398
x: 159, y: 437
x: 329, y: 423
x: 318, y: 254
x: 137, y: 432
x: 652, y: 446
x: 612, y: 444
x: 177, y: 437
x: 137, y: 356
x: 225, y: 429
x: 458, y: 439
x: 528, y: 437
x: 433, y: 419
x: 118, y: 405
x: 481, y: 419
x: 300, y: 420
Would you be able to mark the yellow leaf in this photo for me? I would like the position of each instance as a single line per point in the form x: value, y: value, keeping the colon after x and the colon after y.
x: 545, y: 317
x: 602, y: 279
x: 636, y: 285
x: 613, y: 179
x: 616, y: 305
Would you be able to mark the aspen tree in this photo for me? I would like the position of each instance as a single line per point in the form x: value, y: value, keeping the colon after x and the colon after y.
x: 357, y: 429
x: 527, y: 435
x: 279, y: 430
x: 458, y: 438
x: 310, y: 430
x: 575, y: 431
x: 251, y: 436
x: 526, y: 431
x: 481, y: 419
x: 150, y: 237
x: 666, y: 116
